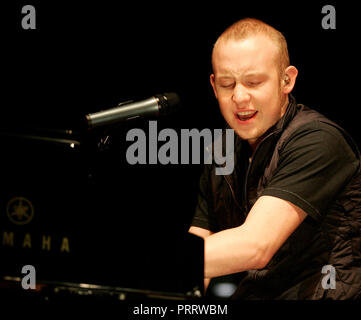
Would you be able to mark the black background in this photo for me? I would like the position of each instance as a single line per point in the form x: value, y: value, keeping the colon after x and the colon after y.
x: 88, y: 56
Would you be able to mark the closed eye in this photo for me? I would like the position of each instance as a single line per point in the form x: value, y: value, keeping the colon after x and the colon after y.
x: 253, y: 83
x: 226, y: 85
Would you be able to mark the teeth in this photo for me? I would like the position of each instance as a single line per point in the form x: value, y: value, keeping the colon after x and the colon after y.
x: 246, y: 113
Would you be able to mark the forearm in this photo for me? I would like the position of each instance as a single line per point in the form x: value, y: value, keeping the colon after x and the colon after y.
x: 231, y: 251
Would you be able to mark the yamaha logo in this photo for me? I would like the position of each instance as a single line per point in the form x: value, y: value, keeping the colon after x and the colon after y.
x: 20, y: 210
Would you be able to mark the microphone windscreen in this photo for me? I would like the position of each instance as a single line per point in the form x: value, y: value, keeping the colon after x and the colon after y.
x: 169, y: 102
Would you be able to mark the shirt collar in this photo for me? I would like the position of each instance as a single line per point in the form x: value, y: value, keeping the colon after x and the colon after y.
x: 287, y: 117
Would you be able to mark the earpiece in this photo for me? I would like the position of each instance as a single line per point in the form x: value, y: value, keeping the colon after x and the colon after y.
x: 286, y: 79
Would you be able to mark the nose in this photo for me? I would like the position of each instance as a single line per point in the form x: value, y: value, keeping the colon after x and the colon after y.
x: 241, y: 96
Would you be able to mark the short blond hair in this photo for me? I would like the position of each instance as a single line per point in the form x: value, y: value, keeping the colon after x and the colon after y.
x: 247, y: 27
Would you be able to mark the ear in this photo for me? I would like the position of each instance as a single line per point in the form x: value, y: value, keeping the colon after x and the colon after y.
x: 289, y: 79
x: 211, y: 78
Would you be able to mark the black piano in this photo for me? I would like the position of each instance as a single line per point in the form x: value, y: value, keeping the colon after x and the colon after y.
x: 92, y: 225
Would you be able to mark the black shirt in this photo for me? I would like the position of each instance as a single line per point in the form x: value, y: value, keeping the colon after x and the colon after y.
x: 313, y: 167
x: 310, y: 161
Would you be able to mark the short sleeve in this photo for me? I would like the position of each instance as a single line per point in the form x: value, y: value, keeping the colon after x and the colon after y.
x: 314, y: 166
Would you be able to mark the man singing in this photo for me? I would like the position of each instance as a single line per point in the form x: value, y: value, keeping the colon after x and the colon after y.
x: 292, y: 204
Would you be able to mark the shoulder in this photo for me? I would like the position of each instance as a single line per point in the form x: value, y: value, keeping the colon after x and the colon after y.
x: 315, y: 155
x: 320, y: 137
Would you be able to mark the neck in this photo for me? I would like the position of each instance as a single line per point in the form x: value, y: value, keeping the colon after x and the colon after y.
x: 284, y: 106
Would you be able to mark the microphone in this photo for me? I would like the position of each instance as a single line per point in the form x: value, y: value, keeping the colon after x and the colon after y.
x: 158, y: 105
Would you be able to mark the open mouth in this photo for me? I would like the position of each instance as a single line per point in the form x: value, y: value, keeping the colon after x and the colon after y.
x: 246, y: 115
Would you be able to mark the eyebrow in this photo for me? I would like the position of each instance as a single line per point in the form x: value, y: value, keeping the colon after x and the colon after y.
x: 224, y: 77
x: 255, y: 74
x: 247, y: 74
